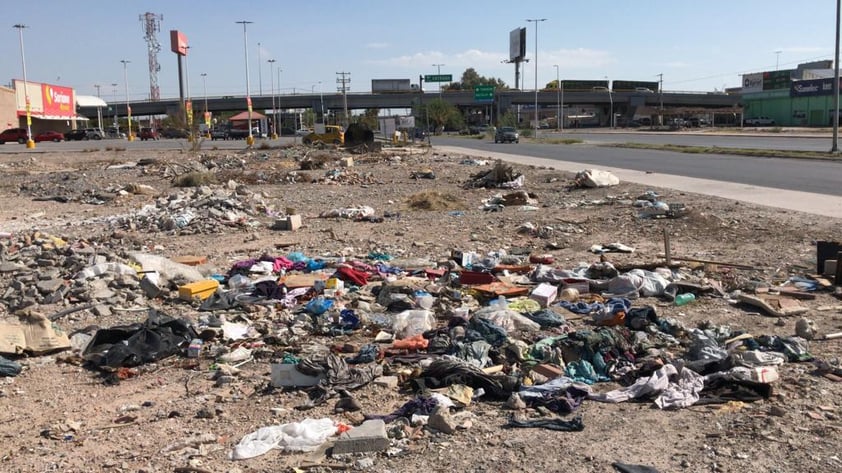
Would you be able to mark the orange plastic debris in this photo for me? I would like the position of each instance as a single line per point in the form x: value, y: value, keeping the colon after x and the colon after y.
x: 418, y: 342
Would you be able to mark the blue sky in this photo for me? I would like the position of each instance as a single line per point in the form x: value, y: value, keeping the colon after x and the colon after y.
x: 698, y: 46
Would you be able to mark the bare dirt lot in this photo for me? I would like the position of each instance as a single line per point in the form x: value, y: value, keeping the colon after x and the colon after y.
x: 69, y: 211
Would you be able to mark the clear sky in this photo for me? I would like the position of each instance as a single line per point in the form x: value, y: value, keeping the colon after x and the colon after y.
x: 697, y: 45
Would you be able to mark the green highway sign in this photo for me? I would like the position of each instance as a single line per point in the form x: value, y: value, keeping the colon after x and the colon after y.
x: 484, y: 93
x: 439, y: 78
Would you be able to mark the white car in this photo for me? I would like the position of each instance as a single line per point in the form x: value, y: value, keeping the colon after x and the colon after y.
x: 758, y: 121
x: 643, y: 90
x: 303, y: 132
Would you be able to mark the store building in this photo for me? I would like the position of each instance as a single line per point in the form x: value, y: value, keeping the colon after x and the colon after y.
x: 51, y: 107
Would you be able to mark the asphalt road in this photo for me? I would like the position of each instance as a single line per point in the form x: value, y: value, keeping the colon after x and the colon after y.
x: 749, y: 138
x: 804, y: 175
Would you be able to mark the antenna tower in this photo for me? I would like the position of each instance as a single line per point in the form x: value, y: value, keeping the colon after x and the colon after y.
x: 151, y: 26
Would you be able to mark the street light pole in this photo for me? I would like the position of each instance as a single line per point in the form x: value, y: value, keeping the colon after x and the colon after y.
x: 114, y: 98
x: 557, y: 99
x: 777, y: 58
x: 611, y: 102
x: 438, y: 71
x: 98, y: 109
x: 130, y: 136
x: 274, y: 110
x: 835, y: 146
x: 259, y: 69
x: 536, y: 21
x: 322, y: 100
x: 250, y: 139
x: 29, y: 141
x: 207, y: 113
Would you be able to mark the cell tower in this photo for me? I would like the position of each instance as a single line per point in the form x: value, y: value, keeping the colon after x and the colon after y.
x: 151, y: 26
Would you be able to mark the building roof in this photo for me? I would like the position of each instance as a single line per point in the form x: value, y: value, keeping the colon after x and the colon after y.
x: 90, y: 101
x: 245, y: 116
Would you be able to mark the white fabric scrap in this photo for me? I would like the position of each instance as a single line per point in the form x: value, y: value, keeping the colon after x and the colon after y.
x: 304, y: 436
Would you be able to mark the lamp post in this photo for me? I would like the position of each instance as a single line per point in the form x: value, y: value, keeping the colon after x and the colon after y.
x: 207, y: 113
x: 536, y: 21
x: 98, y: 109
x: 125, y: 62
x: 834, y: 147
x: 29, y: 142
x: 188, y: 108
x: 259, y: 69
x: 557, y: 99
x: 114, y: 98
x: 274, y: 110
x: 438, y: 71
x: 611, y: 102
x: 322, y: 100
x: 250, y: 139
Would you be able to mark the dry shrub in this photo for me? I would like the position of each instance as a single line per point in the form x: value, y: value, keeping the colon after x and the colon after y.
x: 194, y: 179
x: 317, y: 160
x: 434, y: 200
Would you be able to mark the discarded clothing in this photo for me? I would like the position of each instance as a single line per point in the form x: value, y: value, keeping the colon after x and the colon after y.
x: 475, y: 353
x: 573, y: 425
x: 721, y: 388
x: 9, y: 368
x: 546, y: 318
x: 482, y: 329
x: 446, y: 371
x: 561, y: 395
x: 350, y: 275
x: 336, y: 375
x: 270, y: 290
x: 368, y: 353
x: 420, y: 405
x: 158, y: 337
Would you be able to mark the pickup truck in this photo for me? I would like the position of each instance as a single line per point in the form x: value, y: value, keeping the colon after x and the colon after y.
x: 758, y: 121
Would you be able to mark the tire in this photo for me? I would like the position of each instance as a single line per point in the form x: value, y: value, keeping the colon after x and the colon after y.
x: 97, y: 137
x: 337, y: 142
x: 56, y: 140
x: 21, y: 140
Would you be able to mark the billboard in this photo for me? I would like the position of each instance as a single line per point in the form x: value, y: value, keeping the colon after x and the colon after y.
x: 178, y: 42
x: 633, y: 85
x: 753, y: 82
x: 811, y: 88
x: 58, y: 101
x: 517, y: 44
x: 774, y: 80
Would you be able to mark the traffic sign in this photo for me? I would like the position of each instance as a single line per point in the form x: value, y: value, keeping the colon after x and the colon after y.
x: 439, y: 78
x: 484, y: 93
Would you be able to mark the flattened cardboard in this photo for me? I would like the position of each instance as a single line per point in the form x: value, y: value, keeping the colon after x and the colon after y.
x: 34, y: 334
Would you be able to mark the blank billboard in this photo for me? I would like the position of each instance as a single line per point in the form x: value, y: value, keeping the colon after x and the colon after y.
x: 517, y: 44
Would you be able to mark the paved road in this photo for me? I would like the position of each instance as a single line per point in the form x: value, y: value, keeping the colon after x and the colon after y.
x: 751, y: 139
x: 804, y: 175
x: 177, y: 144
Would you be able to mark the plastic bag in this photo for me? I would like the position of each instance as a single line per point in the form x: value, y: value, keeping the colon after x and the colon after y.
x: 302, y: 436
x: 508, y: 319
x: 319, y: 305
x: 413, y: 322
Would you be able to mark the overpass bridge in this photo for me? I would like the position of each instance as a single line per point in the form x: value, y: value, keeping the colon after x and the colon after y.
x: 624, y: 102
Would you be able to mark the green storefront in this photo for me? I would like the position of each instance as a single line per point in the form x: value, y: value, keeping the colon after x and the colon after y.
x: 791, y: 103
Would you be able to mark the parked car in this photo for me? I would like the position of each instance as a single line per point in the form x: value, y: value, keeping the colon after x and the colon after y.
x: 48, y: 136
x: 643, y: 90
x: 219, y: 134
x: 758, y: 121
x: 506, y: 134
x: 303, y: 132
x: 173, y: 133
x: 93, y: 134
x: 78, y: 134
x: 14, y: 134
x: 114, y: 133
x: 147, y: 133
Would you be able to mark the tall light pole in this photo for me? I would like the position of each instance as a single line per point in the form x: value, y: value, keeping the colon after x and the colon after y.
x: 835, y: 146
x: 125, y: 62
x: 777, y: 58
x: 438, y: 71
x: 536, y: 21
x: 274, y: 110
x: 661, y: 99
x: 114, y: 98
x: 610, y: 101
x: 322, y: 100
x: 98, y: 109
x: 29, y: 142
x: 250, y: 139
x: 207, y: 113
x: 259, y: 69
x: 557, y: 99
x: 188, y: 108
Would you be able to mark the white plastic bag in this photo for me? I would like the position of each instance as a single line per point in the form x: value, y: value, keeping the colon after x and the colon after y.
x: 410, y: 323
x: 508, y: 319
x: 304, y: 436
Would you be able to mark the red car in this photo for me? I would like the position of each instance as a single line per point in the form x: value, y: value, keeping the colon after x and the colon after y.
x: 48, y: 136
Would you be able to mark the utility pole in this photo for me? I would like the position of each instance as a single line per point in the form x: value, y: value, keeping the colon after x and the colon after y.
x: 661, y: 99
x: 557, y: 99
x: 274, y: 109
x: 259, y: 70
x: 343, y: 81
x: 438, y: 71
x: 835, y: 147
x: 536, y: 21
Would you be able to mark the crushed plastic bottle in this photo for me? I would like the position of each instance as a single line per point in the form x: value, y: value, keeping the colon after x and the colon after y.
x: 686, y: 298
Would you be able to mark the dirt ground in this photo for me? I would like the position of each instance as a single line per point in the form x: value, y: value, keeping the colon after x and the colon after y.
x: 59, y: 415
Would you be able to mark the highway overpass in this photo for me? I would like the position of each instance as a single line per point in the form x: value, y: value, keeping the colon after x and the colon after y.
x: 623, y: 101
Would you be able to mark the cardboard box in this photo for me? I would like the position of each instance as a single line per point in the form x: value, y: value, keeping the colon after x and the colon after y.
x: 201, y: 289
x: 287, y: 375
x: 288, y: 223
x: 545, y: 294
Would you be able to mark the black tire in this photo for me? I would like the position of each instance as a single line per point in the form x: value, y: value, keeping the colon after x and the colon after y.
x: 337, y: 142
x: 97, y: 137
x: 21, y: 140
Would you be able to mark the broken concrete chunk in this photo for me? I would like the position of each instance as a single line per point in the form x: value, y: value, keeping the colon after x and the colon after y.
x: 368, y: 437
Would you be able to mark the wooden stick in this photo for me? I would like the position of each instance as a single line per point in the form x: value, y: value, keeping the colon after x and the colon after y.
x: 733, y: 265
x: 667, y: 249
x: 69, y: 311
x: 832, y: 336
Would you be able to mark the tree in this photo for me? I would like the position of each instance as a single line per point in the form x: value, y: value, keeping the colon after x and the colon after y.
x: 553, y: 84
x: 470, y: 79
x: 443, y: 114
x: 369, y: 118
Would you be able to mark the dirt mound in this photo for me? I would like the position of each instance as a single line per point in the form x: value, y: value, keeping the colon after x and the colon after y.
x: 434, y: 200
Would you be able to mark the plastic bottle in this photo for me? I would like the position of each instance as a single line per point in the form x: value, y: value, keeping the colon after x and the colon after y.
x: 686, y: 298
